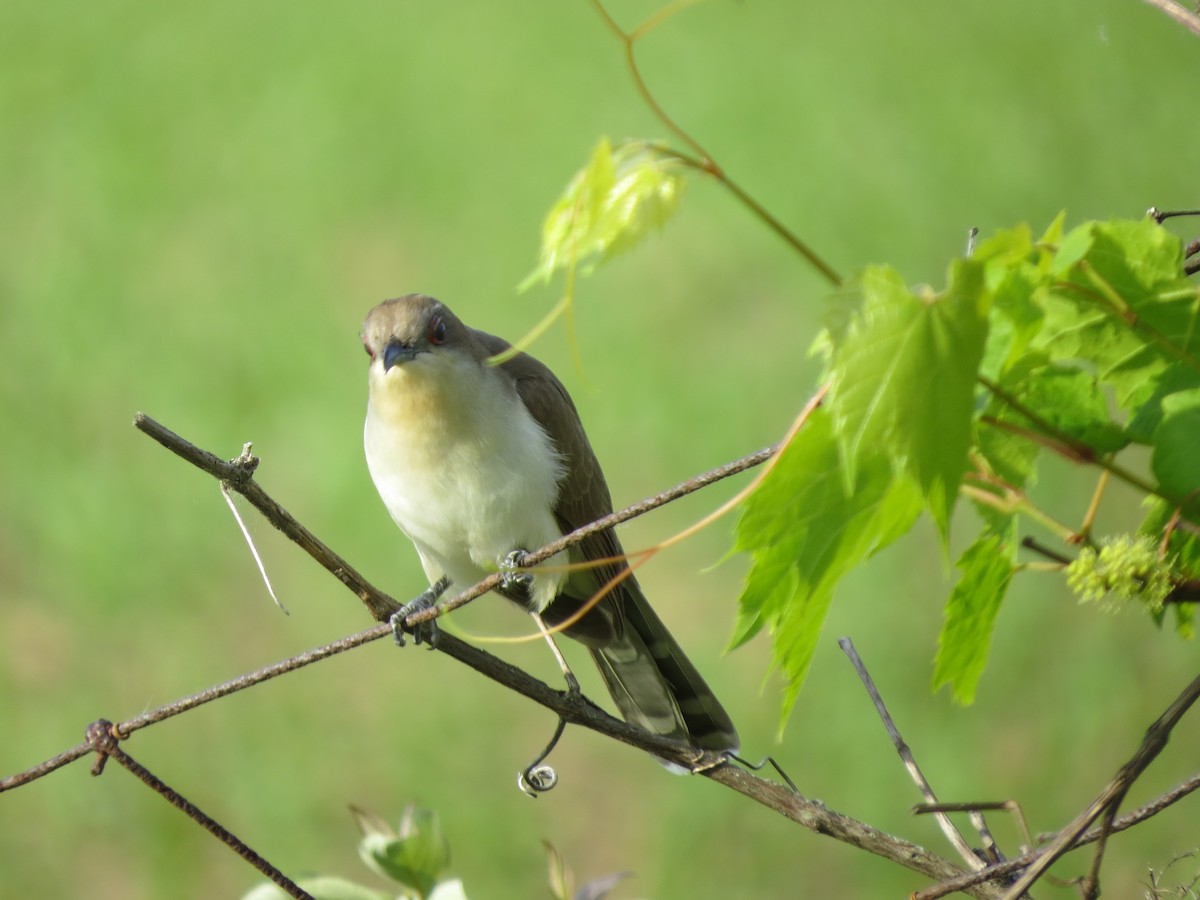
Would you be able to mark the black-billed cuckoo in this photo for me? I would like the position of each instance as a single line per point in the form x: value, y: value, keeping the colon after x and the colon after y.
x: 476, y: 461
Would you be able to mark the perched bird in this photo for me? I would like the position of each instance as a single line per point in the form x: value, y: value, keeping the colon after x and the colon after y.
x: 478, y: 463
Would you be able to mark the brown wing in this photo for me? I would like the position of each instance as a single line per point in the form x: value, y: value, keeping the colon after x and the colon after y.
x: 583, y: 494
x: 650, y: 678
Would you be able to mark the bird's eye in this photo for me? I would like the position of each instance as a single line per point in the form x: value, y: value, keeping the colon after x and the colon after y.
x: 367, y: 347
x: 437, y: 330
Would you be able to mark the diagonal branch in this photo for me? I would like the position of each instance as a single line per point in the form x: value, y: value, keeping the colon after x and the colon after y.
x: 103, y: 738
x: 953, y: 835
x: 1155, y: 740
x: 705, y: 163
x: 1110, y: 798
x: 239, y: 475
x: 1179, y: 13
x: 573, y: 708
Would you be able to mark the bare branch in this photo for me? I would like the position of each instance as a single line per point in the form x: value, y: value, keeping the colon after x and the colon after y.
x: 573, y: 708
x: 1180, y: 14
x: 45, y: 768
x: 125, y: 729
x: 1110, y: 798
x: 239, y: 474
x: 815, y: 816
x: 103, y: 738
x: 948, y: 828
x: 1005, y: 870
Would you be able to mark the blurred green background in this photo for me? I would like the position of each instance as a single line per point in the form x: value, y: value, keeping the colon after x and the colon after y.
x: 200, y: 202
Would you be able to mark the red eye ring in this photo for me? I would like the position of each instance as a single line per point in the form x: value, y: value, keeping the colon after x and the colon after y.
x: 437, y: 330
x: 367, y: 347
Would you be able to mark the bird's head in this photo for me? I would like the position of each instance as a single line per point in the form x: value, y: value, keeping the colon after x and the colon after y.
x: 421, y: 353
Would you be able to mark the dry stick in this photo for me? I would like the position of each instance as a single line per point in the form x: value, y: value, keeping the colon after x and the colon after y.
x: 970, y: 857
x: 1161, y: 215
x: 1177, y: 793
x: 1012, y: 807
x: 102, y: 737
x: 45, y: 768
x: 1183, y: 16
x: 575, y: 709
x: 238, y: 473
x: 815, y: 816
x: 1012, y: 866
x: 126, y: 728
x: 1110, y: 798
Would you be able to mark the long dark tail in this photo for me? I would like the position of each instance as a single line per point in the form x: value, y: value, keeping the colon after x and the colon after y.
x: 650, y: 678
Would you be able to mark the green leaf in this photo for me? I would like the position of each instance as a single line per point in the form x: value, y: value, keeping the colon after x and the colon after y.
x: 805, y: 532
x: 1137, y: 258
x: 1017, y: 319
x: 1012, y: 457
x: 1054, y: 232
x: 1071, y: 249
x: 1067, y: 399
x: 608, y: 207
x: 1009, y: 246
x: 1182, y: 553
x: 1122, y: 305
x: 562, y: 881
x: 1183, y: 545
x: 415, y: 856
x: 1176, y: 458
x: 1148, y: 414
x: 904, y: 370
x: 987, y: 569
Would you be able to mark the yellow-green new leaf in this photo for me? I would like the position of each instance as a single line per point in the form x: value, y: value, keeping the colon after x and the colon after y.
x: 610, y: 205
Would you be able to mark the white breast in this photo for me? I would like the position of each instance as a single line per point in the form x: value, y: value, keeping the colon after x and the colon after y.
x: 462, y: 467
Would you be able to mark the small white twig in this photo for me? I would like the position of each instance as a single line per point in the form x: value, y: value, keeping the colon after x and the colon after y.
x: 237, y: 517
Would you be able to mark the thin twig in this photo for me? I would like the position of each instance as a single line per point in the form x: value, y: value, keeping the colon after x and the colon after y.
x: 1180, y: 14
x: 1064, y: 444
x: 184, y: 704
x: 705, y: 163
x: 815, y: 816
x: 575, y: 708
x: 33, y: 773
x: 1005, y: 870
x: 1032, y: 543
x: 969, y: 856
x: 578, y: 710
x: 239, y: 475
x: 1161, y: 215
x: 102, y: 737
x: 1012, y: 807
x: 1084, y: 532
x: 1110, y: 798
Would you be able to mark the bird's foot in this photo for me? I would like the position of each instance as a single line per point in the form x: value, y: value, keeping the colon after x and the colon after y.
x: 513, y: 581
x: 423, y: 632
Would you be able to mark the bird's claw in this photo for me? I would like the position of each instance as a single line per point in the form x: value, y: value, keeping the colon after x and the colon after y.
x: 512, y: 580
x: 423, y: 632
